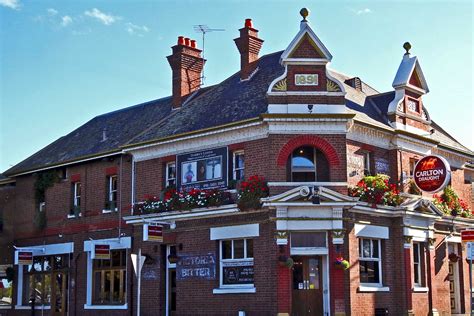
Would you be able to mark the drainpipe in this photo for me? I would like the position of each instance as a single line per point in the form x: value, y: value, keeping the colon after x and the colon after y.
x: 133, y: 182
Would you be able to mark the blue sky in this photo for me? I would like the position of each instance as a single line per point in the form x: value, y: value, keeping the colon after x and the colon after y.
x: 64, y: 62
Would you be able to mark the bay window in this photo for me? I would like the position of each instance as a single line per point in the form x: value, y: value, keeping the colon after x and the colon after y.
x: 370, y: 262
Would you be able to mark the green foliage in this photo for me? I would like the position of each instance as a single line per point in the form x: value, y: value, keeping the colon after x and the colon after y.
x: 44, y: 181
x: 450, y: 203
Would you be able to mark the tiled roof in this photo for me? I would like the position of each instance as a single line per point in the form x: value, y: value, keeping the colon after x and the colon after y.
x: 230, y: 101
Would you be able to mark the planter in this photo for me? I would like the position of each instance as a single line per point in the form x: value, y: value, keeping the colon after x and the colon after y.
x: 341, y: 264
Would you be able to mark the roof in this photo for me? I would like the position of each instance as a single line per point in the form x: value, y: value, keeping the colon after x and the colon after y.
x: 405, y: 70
x: 232, y: 100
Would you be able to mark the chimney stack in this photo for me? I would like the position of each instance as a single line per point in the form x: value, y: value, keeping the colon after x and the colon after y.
x: 249, y: 46
x: 187, y: 65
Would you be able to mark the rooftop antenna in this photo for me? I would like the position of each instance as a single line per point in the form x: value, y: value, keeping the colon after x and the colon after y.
x: 202, y: 28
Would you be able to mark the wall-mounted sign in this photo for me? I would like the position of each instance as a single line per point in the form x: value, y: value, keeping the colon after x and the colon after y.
x: 382, y: 166
x: 306, y: 80
x: 196, y: 267
x: 25, y: 257
x: 432, y: 173
x: 152, y: 232
x: 101, y: 252
x: 238, y: 273
x: 467, y: 235
x: 202, y: 170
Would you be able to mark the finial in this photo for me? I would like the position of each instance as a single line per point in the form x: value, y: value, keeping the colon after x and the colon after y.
x: 407, y: 47
x: 304, y: 13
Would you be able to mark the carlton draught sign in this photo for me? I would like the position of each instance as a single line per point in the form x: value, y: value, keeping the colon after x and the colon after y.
x: 432, y: 174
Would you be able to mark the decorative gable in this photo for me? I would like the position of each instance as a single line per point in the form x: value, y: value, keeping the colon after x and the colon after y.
x: 306, y: 85
x: 406, y: 111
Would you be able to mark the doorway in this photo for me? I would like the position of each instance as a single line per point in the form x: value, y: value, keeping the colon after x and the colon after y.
x: 170, y: 280
x: 453, y: 277
x: 307, y: 286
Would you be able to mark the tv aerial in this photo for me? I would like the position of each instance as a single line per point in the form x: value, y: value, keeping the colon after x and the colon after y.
x: 202, y: 28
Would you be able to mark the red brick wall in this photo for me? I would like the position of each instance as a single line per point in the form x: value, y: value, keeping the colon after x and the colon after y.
x: 7, y: 214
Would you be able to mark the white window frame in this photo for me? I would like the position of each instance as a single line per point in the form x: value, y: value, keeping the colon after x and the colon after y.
x: 226, y: 262
x: 76, y: 197
x: 42, y: 206
x: 417, y: 271
x: 367, y: 155
x: 167, y: 176
x: 123, y: 243
x: 234, y: 168
x: 315, y: 169
x: 379, y: 260
x: 111, y: 193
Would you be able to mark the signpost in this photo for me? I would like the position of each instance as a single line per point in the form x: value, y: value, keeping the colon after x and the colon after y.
x: 137, y: 262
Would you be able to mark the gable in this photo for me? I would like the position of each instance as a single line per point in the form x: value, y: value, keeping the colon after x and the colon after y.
x: 415, y: 80
x: 306, y: 48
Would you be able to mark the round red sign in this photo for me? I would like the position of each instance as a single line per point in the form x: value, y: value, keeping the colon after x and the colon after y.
x: 432, y: 173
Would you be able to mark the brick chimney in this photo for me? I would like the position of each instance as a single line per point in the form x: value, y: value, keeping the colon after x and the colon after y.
x: 187, y: 65
x: 249, y: 46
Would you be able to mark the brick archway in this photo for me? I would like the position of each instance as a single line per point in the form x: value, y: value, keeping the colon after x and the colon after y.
x: 308, y: 140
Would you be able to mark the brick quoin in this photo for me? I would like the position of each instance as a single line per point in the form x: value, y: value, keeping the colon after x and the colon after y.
x: 311, y: 140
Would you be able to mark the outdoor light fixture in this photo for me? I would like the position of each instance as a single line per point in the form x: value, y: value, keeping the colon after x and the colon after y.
x: 315, y: 197
x: 310, y: 108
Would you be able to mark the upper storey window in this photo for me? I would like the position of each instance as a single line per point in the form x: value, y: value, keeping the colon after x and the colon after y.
x: 307, y: 164
x: 413, y: 105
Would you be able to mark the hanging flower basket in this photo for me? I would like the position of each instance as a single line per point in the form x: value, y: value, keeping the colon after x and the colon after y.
x: 453, y: 257
x: 341, y: 264
x: 285, y: 261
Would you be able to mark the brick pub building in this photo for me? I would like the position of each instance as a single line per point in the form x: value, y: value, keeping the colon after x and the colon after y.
x: 312, y: 132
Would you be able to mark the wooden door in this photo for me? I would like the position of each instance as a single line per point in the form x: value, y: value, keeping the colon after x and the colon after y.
x: 59, y: 292
x: 307, y: 291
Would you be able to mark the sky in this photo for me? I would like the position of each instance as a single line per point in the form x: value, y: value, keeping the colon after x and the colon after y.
x: 64, y: 62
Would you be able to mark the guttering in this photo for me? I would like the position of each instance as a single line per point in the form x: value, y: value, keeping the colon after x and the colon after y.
x: 193, y: 134
x: 181, y: 215
x: 69, y: 162
x: 347, y: 116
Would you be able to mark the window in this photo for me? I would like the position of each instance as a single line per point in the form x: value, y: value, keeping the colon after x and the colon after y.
x: 46, y: 281
x: 369, y: 262
x: 367, y: 165
x: 238, y: 166
x: 303, y: 164
x: 76, y: 198
x: 236, y: 263
x: 417, y: 262
x: 6, y: 291
x: 111, y: 203
x: 413, y: 162
x: 109, y: 279
x: 413, y: 105
x: 170, y: 174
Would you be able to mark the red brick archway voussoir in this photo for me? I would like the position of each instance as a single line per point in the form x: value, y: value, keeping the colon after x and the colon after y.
x: 308, y: 140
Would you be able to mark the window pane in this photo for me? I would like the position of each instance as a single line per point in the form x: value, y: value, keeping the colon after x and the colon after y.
x: 369, y: 271
x: 416, y: 274
x: 239, y: 161
x: 416, y: 252
x: 47, y: 289
x: 107, y: 285
x: 114, y: 183
x: 249, y: 248
x: 226, y: 249
x: 375, y: 248
x: 365, y: 251
x: 238, y: 249
x: 315, y: 239
x: 303, y: 177
x: 303, y: 159
x: 116, y: 286
x: 97, y: 286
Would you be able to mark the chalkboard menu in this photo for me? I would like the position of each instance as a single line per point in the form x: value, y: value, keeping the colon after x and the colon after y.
x: 196, y: 267
x: 238, y: 273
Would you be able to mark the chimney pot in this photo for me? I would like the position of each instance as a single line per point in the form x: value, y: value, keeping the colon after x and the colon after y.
x: 180, y: 40
x: 193, y: 44
x: 248, y: 23
x: 187, y: 41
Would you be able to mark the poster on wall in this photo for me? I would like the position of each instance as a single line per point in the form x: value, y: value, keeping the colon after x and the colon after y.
x: 202, y: 170
x: 382, y: 166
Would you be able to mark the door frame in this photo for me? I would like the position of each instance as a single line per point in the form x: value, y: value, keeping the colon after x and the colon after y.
x: 169, y: 266
x: 323, y: 253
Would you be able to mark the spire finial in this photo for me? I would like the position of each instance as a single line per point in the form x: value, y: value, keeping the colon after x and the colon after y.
x: 304, y: 13
x: 407, y: 47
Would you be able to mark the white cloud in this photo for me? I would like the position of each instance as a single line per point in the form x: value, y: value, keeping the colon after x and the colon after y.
x: 138, y: 30
x: 52, y: 11
x: 363, y: 11
x: 12, y: 4
x: 66, y: 20
x: 106, y: 19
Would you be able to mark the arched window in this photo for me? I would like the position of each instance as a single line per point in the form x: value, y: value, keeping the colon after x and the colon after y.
x: 307, y: 164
